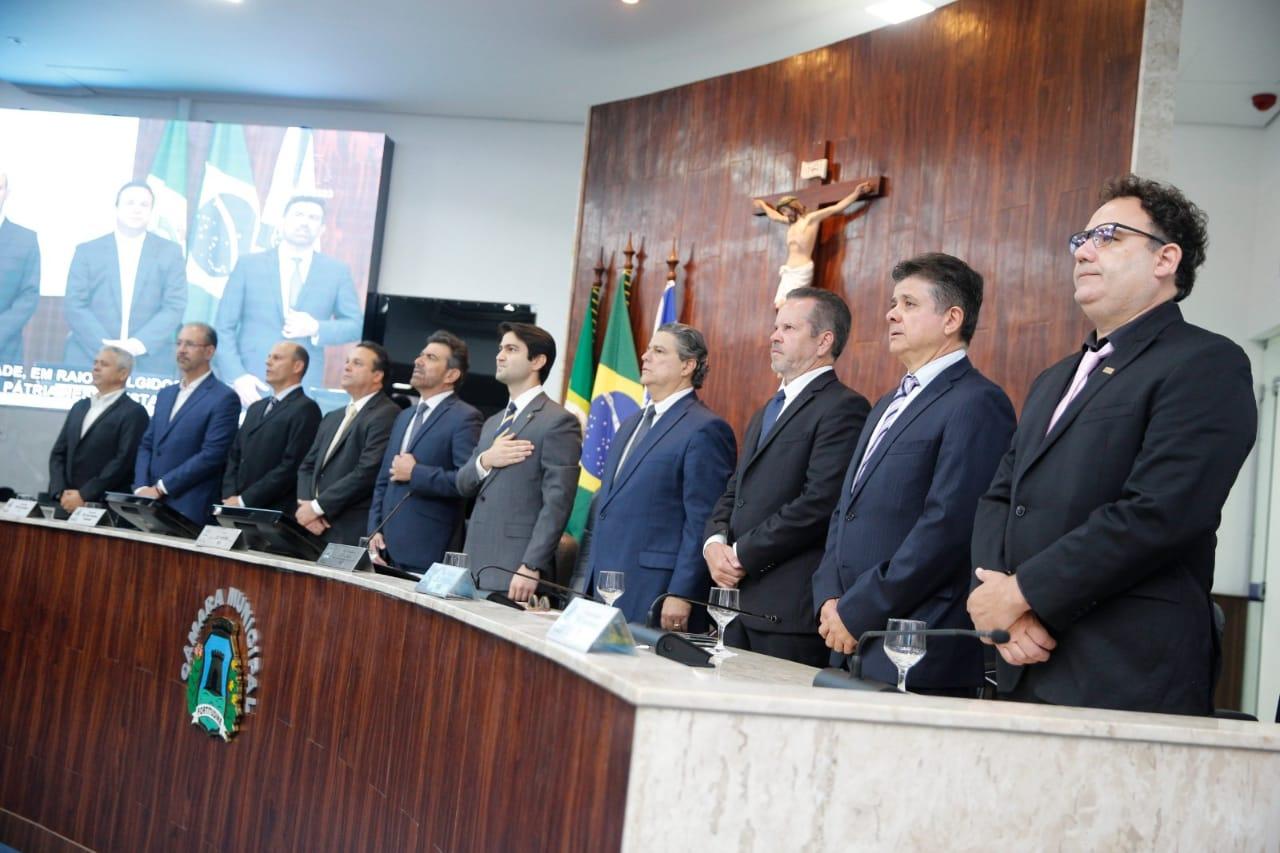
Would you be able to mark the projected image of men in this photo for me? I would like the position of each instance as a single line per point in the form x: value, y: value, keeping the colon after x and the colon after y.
x: 127, y: 289
x: 19, y: 279
x: 293, y: 292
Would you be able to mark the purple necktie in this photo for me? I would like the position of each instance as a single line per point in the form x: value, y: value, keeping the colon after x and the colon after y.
x: 1088, y: 364
x: 899, y: 402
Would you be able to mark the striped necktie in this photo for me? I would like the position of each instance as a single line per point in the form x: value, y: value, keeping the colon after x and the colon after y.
x: 899, y: 402
x: 508, y: 420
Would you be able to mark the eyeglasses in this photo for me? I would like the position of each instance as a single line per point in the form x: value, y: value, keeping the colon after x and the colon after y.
x: 1104, y: 234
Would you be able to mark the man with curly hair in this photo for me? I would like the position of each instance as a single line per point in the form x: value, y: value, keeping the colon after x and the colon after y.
x: 1094, y: 546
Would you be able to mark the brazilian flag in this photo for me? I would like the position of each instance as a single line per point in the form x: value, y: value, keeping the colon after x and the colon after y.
x: 615, y: 396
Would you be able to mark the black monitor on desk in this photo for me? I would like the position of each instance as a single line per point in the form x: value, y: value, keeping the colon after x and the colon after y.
x: 270, y: 530
x: 152, y: 515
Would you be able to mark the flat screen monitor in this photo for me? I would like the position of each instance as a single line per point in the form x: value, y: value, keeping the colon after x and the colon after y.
x: 152, y: 515
x: 402, y: 324
x: 270, y: 530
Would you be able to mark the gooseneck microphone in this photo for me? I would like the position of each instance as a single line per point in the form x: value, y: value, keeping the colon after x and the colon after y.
x: 855, y: 662
x: 768, y: 617
x: 501, y: 598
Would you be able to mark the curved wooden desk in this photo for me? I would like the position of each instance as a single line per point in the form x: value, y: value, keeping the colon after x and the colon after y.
x: 391, y: 721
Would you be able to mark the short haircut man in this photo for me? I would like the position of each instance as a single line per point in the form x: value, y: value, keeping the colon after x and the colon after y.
x: 666, y: 466
x: 278, y: 431
x: 523, y: 473
x: 127, y: 289
x: 896, y: 544
x: 97, y: 446
x: 337, y: 476
x: 184, y: 448
x: 1094, y: 546
x: 765, y: 535
x: 429, y: 444
x: 294, y: 292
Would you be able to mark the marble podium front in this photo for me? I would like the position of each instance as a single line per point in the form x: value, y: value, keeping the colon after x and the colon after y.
x: 749, y: 756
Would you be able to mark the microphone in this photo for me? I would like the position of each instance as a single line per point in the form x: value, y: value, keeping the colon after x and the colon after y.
x: 501, y: 598
x: 390, y: 515
x: 835, y: 677
x: 768, y: 617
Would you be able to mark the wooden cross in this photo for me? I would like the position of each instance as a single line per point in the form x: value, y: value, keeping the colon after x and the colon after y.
x: 820, y: 193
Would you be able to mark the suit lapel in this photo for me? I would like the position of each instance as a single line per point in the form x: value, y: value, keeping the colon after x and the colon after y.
x: 196, y: 395
x: 273, y: 274
x: 74, y: 422
x: 146, y: 259
x: 1107, y: 372
x: 637, y: 454
x: 931, y: 393
x: 804, y: 398
x: 257, y: 414
x: 522, y: 420
x: 351, y: 428
x: 434, y: 415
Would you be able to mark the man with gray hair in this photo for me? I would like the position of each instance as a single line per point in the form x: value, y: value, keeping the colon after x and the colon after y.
x: 98, y: 444
x: 766, y: 534
x: 666, y: 467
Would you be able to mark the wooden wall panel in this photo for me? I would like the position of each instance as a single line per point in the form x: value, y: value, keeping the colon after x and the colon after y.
x: 381, y: 725
x: 996, y: 121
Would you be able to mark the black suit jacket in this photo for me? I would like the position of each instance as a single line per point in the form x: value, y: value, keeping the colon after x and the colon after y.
x: 262, y: 467
x: 778, y: 502
x: 344, y: 486
x: 102, y: 461
x: 1109, y: 521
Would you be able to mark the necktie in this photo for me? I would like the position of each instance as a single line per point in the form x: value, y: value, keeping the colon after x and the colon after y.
x: 771, y: 411
x: 1088, y: 364
x: 509, y: 419
x: 646, y: 423
x: 271, y: 404
x: 295, y: 283
x: 419, y: 418
x: 899, y: 402
x: 342, y: 428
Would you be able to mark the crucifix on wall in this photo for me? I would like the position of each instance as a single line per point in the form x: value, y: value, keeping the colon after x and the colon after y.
x: 804, y: 210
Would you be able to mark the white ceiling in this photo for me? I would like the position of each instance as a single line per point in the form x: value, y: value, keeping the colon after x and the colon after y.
x: 529, y: 59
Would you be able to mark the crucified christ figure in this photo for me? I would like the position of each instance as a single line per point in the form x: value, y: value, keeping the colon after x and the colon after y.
x: 802, y: 235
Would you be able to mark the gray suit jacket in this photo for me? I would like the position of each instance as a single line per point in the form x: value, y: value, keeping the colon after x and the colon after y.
x: 521, y: 510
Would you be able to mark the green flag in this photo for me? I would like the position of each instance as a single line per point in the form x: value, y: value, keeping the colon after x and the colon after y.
x: 615, y: 396
x: 226, y: 220
x: 168, y: 180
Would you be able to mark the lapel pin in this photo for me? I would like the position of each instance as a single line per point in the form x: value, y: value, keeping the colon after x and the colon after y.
x: 1108, y: 370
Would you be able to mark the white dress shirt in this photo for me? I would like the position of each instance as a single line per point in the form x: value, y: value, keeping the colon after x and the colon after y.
x: 98, y: 404
x: 659, y: 409
x: 129, y: 253
x: 432, y: 401
x: 288, y: 255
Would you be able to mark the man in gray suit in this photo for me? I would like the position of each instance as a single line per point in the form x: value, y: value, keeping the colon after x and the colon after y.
x: 524, y: 472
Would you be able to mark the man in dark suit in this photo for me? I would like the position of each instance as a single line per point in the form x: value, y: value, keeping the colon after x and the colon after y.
x: 185, y: 446
x: 766, y: 533
x: 429, y: 444
x: 19, y: 280
x: 897, y: 544
x: 262, y: 469
x: 666, y: 466
x: 336, y: 479
x: 127, y: 289
x: 291, y: 292
x: 523, y: 473
x: 1094, y: 546
x: 96, y: 450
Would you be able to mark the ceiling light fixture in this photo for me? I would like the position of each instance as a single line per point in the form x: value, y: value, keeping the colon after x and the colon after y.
x: 897, y: 11
x: 631, y: 2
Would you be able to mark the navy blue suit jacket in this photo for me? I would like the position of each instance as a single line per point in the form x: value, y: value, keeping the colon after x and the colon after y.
x: 898, y: 544
x: 188, y: 452
x: 92, y: 304
x: 251, y: 315
x: 19, y: 286
x: 648, y: 521
x: 419, y: 534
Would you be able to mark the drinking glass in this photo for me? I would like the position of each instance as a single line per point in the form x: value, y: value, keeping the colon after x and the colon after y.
x: 905, y: 646
x: 722, y: 597
x: 611, y: 585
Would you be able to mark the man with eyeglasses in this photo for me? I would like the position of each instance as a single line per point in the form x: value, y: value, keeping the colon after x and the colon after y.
x: 1094, y: 546
x: 185, y: 446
